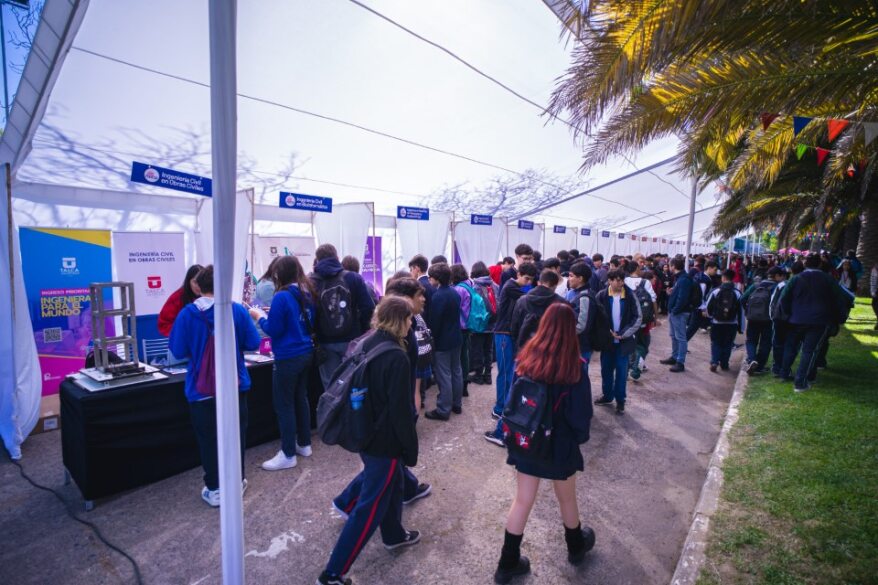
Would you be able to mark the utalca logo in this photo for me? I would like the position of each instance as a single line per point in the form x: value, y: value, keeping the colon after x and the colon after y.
x: 68, y: 266
x: 154, y: 281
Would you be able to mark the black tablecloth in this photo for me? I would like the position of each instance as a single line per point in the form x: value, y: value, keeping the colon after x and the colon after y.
x: 120, y: 439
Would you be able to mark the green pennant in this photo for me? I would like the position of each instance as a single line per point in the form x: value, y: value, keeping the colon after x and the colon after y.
x: 800, y: 150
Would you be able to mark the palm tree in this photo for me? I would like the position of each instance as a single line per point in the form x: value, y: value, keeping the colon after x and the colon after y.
x: 705, y: 71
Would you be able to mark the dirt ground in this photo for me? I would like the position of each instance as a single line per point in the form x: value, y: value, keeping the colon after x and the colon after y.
x: 643, y: 475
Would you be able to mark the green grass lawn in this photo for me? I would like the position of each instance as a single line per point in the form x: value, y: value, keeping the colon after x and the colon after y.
x: 800, y: 499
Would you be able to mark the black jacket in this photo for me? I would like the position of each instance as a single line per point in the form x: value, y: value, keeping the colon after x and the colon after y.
x: 388, y: 378
x: 631, y: 318
x: 444, y: 319
x: 362, y: 300
x: 509, y: 295
x: 533, y: 303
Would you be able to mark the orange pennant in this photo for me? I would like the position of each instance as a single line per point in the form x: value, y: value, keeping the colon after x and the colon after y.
x: 836, y: 127
x: 821, y: 155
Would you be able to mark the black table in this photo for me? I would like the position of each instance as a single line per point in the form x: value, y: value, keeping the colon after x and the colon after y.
x: 119, y: 439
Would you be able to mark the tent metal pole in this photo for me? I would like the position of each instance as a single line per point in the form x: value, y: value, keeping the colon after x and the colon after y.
x: 224, y: 142
x: 10, y: 233
x: 691, y: 219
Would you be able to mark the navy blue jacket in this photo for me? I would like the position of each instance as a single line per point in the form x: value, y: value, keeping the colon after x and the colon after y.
x: 678, y: 302
x: 444, y: 319
x: 810, y: 298
x: 362, y: 300
x: 428, y: 294
x: 631, y: 317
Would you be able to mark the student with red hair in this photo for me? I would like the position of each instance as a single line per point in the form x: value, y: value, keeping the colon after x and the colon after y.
x: 551, y: 357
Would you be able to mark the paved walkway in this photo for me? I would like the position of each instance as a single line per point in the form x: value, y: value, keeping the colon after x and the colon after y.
x: 643, y: 475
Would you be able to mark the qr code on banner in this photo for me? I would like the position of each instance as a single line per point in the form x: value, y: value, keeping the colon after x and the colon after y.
x: 52, y: 335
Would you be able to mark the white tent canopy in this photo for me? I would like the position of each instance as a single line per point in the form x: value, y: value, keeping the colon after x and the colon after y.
x: 367, y: 113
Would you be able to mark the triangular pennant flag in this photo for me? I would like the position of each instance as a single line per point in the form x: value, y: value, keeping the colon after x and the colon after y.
x: 871, y: 131
x: 821, y: 155
x: 835, y: 128
x: 799, y: 123
x: 800, y: 150
x: 767, y: 118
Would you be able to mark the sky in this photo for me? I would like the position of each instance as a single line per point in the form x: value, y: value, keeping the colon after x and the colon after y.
x: 334, y: 59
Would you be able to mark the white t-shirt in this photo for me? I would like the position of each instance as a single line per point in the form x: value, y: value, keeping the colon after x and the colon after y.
x: 633, y: 282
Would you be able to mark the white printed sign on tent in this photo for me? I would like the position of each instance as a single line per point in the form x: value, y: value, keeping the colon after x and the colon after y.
x: 154, y: 262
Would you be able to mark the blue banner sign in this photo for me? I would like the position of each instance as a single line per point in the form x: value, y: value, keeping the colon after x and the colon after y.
x: 621, y: 236
x: 605, y: 234
x: 305, y: 202
x: 560, y: 229
x: 170, y: 179
x: 419, y: 213
x: 475, y: 219
x: 585, y: 232
x: 524, y: 224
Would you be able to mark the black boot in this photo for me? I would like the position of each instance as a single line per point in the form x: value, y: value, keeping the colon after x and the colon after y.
x: 579, y: 541
x: 511, y: 564
x: 465, y: 388
x: 486, y: 377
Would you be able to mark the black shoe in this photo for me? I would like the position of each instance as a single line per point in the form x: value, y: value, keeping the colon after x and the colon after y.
x: 326, y: 579
x: 486, y: 380
x: 422, y: 491
x: 668, y: 362
x: 620, y: 408
x: 724, y: 367
x: 436, y: 415
x: 465, y: 390
x: 491, y: 437
x: 411, y: 537
x: 602, y: 401
x: 588, y: 540
x: 495, y: 415
x: 503, y: 576
x: 456, y: 409
x: 678, y: 367
x: 713, y: 367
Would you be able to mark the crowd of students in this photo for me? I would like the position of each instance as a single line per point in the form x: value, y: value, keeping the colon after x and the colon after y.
x: 541, y: 321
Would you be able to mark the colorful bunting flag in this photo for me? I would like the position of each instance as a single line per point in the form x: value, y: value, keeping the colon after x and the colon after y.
x: 799, y: 123
x: 835, y: 128
x: 821, y: 155
x: 871, y: 131
x: 767, y: 118
x: 800, y: 150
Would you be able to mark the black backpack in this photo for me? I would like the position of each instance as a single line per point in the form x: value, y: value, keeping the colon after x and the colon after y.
x: 645, y: 300
x: 759, y: 304
x: 776, y: 310
x: 527, y: 421
x: 334, y: 307
x: 529, y: 326
x: 600, y: 338
x: 424, y: 337
x: 345, y: 414
x: 726, y: 306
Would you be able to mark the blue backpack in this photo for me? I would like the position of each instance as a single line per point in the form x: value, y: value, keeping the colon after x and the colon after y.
x: 479, y: 315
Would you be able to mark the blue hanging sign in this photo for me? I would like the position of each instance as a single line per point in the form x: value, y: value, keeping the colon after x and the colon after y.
x: 476, y: 219
x: 419, y: 213
x: 524, y: 224
x: 305, y: 202
x: 560, y: 229
x: 621, y: 236
x: 605, y: 234
x: 170, y: 179
x: 585, y: 232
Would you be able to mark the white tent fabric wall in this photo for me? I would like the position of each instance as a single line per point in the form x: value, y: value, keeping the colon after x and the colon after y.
x: 204, y: 238
x: 347, y: 228
x: 429, y: 238
x: 515, y: 236
x: 587, y: 244
x: 557, y: 242
x: 479, y: 242
x: 20, y: 376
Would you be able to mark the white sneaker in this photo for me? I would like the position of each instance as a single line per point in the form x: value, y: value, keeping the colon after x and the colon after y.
x: 279, y: 461
x: 303, y: 451
x: 243, y: 487
x: 212, y: 497
x: 643, y: 367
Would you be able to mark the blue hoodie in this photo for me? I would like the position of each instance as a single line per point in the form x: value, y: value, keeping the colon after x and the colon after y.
x: 363, y: 307
x: 286, y: 324
x: 189, y: 337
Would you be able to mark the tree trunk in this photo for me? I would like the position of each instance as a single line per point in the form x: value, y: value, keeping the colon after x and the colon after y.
x: 867, y: 247
x: 851, y: 237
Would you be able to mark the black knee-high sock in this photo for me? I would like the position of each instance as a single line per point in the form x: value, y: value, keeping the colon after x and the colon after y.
x: 574, y: 538
x: 511, y: 550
